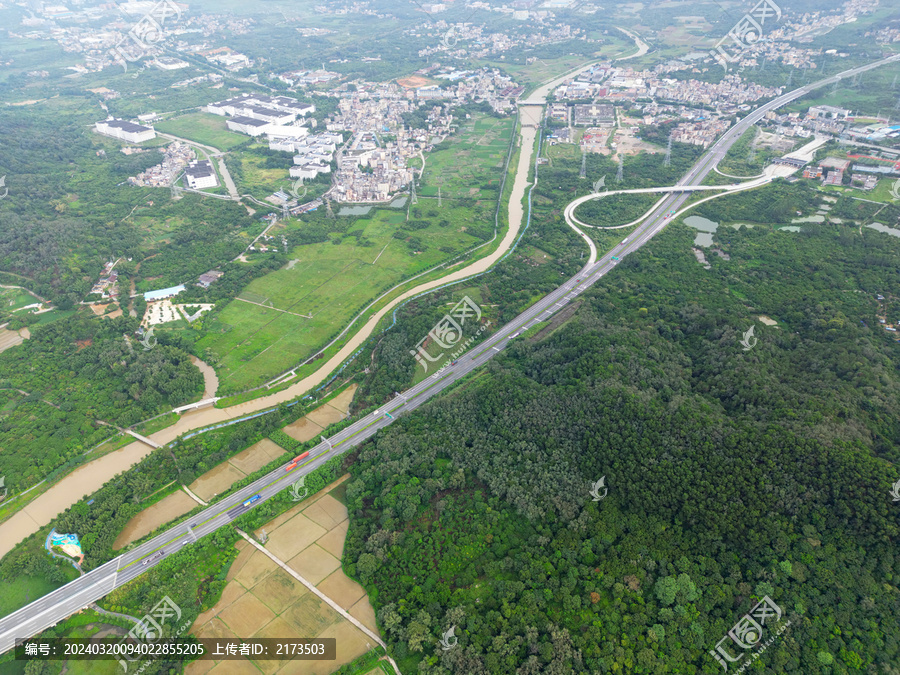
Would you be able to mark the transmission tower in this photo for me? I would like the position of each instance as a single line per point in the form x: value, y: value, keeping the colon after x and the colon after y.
x: 328, y: 207
x: 751, y: 155
x: 668, y: 160
x: 413, y: 199
x: 621, y: 167
x: 583, y: 173
x: 284, y: 211
x: 176, y: 192
x: 439, y: 198
x: 894, y: 83
x: 790, y: 79
x: 763, y: 66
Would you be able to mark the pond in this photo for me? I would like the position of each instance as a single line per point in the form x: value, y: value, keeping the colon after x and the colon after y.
x: 354, y: 210
x: 398, y: 203
x: 884, y: 228
x: 706, y: 229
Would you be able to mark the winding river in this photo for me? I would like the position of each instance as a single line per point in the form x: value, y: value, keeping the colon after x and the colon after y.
x: 91, y: 477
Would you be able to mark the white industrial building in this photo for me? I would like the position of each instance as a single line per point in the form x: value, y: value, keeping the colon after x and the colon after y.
x: 125, y: 131
x: 247, y: 125
x: 308, y: 171
x: 169, y: 63
x: 199, y: 175
x: 238, y: 105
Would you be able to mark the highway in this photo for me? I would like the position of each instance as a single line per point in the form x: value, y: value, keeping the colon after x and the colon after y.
x: 66, y: 600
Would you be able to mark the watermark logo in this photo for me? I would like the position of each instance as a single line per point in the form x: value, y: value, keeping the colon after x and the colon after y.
x: 895, y: 190
x: 295, y: 189
x: 595, y: 489
x: 895, y: 492
x: 747, y: 31
x: 749, y: 341
x: 295, y: 489
x: 447, y: 332
x: 146, y: 33
x: 748, y: 633
x: 149, y: 340
x: 152, y: 625
x: 449, y: 38
x: 600, y: 184
x: 449, y: 640
x: 3, y: 185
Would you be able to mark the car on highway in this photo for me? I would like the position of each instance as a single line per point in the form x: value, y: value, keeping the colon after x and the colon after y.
x: 625, y: 240
x: 388, y: 416
x: 514, y: 335
x: 615, y: 258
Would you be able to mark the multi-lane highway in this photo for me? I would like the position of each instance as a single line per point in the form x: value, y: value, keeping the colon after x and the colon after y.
x: 64, y: 601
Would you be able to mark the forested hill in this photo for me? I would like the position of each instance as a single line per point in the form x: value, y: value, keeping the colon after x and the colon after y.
x: 732, y: 475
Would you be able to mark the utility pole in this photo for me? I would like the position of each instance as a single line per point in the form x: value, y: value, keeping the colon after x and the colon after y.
x: 668, y: 160
x: 583, y: 165
x: 621, y: 167
x: 439, y: 198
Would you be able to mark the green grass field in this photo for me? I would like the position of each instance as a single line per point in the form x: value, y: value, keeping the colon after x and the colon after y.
x: 265, y: 331
x: 203, y: 128
x: 332, y: 283
x: 22, y: 590
x: 472, y: 166
x: 12, y: 299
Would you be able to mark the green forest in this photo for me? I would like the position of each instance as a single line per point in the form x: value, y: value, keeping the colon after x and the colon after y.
x: 71, y: 375
x: 732, y: 474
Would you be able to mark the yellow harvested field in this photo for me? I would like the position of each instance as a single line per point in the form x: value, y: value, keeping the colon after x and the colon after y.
x: 246, y: 615
x: 310, y: 616
x: 216, y: 629
x: 246, y: 552
x: 325, y: 415
x: 364, y: 612
x: 342, y: 589
x: 333, y: 541
x: 351, y: 641
x: 220, y: 478
x: 263, y: 600
x: 314, y: 564
x: 315, y: 422
x: 216, y: 480
x: 256, y: 568
x: 303, y: 430
x: 257, y: 456
x: 160, y: 513
x: 278, y: 590
x: 294, y: 536
x: 327, y: 512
